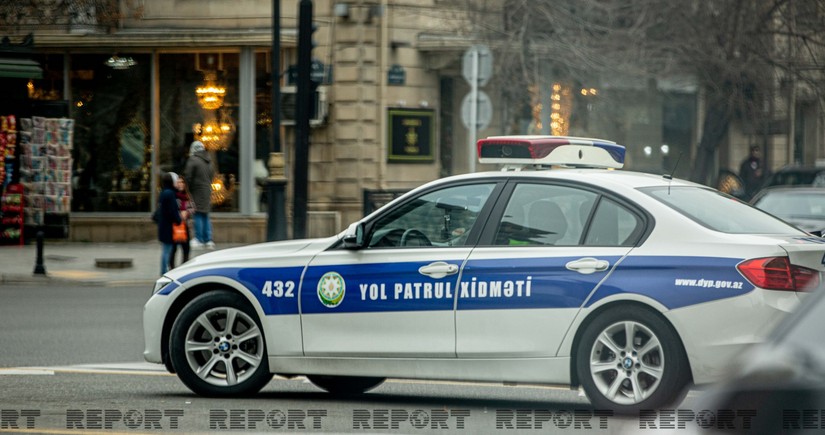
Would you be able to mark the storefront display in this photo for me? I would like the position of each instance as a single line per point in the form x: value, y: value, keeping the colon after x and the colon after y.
x: 11, y: 210
x: 11, y: 200
x: 46, y: 171
x: 8, y: 147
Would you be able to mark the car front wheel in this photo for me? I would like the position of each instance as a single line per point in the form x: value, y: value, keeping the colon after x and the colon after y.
x: 217, y: 346
x: 630, y: 359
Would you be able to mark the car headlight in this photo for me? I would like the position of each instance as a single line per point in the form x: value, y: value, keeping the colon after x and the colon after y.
x: 160, y: 284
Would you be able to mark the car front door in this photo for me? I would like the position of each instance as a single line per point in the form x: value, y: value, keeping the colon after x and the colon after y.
x: 550, y: 246
x: 396, y: 295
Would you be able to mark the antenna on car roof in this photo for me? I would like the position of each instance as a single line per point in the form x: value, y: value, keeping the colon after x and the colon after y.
x: 669, y: 177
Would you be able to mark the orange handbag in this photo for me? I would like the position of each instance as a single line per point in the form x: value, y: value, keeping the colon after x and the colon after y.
x: 179, y: 233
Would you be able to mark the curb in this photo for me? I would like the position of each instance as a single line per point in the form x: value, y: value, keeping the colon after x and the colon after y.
x: 20, y: 279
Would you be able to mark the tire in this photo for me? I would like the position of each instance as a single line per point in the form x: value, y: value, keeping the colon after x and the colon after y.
x: 202, y: 348
x: 345, y: 384
x: 649, y: 372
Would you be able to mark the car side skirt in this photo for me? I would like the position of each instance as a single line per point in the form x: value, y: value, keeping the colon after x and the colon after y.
x: 525, y: 370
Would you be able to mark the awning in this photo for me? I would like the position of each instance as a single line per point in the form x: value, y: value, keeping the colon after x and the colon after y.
x: 20, y: 69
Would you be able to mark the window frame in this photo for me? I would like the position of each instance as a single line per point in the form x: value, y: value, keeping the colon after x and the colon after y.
x: 488, y: 235
x: 476, y: 230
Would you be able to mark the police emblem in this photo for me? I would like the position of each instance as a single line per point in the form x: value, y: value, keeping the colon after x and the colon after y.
x: 331, y: 289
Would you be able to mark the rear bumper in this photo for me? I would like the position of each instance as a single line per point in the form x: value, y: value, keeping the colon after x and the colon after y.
x: 714, y: 333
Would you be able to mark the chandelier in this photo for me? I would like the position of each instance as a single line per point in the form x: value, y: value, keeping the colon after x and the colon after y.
x: 210, y: 95
x: 216, y: 134
x: 220, y: 192
x: 117, y: 62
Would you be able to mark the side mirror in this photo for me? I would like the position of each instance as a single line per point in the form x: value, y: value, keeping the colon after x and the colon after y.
x: 354, y: 236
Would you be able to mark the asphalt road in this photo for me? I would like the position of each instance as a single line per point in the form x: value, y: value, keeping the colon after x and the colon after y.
x: 71, y: 363
x: 63, y: 325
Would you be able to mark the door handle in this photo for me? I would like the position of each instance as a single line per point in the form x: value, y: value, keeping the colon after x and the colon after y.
x: 439, y: 269
x: 588, y: 265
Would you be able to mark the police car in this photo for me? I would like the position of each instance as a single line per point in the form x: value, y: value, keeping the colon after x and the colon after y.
x: 629, y: 285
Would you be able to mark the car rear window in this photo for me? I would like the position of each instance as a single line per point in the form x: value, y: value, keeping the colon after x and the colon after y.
x: 811, y: 177
x: 718, y: 211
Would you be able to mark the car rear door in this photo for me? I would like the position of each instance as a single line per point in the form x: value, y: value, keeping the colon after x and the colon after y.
x: 547, y: 246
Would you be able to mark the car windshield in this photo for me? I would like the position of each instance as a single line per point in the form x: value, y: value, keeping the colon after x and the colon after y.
x: 793, y: 205
x: 718, y: 211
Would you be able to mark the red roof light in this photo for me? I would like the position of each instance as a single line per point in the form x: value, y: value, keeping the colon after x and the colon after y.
x: 551, y: 150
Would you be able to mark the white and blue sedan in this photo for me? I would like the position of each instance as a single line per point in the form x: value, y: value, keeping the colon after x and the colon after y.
x: 632, y: 286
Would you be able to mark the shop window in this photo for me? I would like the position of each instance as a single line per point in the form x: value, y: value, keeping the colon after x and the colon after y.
x: 199, y: 100
x: 263, y: 126
x: 50, y: 87
x: 112, y: 163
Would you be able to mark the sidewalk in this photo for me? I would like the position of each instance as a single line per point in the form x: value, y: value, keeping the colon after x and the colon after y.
x: 76, y: 263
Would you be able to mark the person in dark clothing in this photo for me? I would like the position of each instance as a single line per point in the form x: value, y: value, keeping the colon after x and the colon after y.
x: 198, y: 173
x: 751, y: 171
x: 187, y: 209
x: 168, y: 214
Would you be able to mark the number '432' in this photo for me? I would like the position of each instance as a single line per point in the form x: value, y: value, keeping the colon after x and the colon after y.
x: 279, y: 289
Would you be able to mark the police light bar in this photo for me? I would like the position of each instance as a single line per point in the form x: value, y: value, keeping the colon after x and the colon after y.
x: 551, y: 151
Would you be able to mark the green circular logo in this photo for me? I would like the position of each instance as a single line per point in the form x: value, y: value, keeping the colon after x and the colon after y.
x: 331, y: 289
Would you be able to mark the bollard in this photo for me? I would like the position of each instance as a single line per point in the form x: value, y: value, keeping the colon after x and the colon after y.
x: 39, y: 268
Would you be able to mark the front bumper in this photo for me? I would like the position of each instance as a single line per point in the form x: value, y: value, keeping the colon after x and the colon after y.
x: 154, y: 313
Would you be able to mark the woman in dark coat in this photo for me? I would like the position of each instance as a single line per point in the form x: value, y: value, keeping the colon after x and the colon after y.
x: 187, y: 208
x: 168, y: 214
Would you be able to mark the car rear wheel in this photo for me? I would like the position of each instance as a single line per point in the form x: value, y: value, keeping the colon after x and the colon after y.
x: 345, y: 384
x: 217, y: 346
x: 630, y: 359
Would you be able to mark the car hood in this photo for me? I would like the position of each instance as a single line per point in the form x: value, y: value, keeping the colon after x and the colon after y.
x: 774, y: 383
x: 260, y: 254
x: 775, y: 363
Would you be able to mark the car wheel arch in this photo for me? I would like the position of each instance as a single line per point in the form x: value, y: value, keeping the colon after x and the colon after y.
x: 574, y: 381
x: 188, y: 294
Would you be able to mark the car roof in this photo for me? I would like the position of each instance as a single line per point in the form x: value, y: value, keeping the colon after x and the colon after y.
x: 797, y: 188
x: 628, y: 179
x: 802, y: 169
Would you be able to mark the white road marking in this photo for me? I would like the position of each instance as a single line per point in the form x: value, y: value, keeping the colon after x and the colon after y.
x: 25, y: 372
x: 138, y: 368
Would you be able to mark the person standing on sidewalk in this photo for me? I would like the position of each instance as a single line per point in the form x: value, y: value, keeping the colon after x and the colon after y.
x: 187, y: 209
x: 198, y: 173
x: 168, y: 214
x: 751, y: 171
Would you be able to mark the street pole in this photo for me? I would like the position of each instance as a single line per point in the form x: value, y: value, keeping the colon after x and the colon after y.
x: 276, y: 182
x: 471, y: 162
x: 304, y: 92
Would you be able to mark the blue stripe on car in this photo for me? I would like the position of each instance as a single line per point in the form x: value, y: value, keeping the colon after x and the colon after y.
x: 393, y: 287
x: 703, y: 279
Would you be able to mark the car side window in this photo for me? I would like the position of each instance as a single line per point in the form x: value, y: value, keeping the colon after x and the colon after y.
x: 613, y: 225
x: 544, y: 215
x: 442, y: 218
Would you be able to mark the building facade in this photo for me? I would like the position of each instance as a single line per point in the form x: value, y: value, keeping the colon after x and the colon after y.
x: 390, y: 115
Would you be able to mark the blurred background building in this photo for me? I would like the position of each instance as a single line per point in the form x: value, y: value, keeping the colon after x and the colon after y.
x: 142, y: 79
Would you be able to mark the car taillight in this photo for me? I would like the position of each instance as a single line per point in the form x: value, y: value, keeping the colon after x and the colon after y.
x: 777, y: 273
